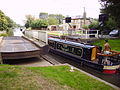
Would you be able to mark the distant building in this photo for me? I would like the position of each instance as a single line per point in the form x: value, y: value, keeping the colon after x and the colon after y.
x: 55, y: 27
x: 77, y: 23
x: 43, y: 15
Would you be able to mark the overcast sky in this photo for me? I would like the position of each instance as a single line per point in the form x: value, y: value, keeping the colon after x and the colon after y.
x: 17, y: 9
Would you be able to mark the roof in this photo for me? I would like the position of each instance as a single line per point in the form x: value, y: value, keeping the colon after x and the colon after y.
x: 73, y: 43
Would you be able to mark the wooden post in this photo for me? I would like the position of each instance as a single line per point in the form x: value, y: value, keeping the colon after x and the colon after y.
x: 46, y: 37
x: 1, y: 61
x: 86, y: 34
x: 97, y: 33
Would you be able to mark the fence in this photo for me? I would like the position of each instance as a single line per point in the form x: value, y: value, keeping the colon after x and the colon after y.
x: 43, y: 35
x: 82, y: 33
x: 89, y: 33
x: 37, y: 34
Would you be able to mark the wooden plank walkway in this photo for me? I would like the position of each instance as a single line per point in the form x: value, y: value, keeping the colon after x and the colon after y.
x: 16, y: 47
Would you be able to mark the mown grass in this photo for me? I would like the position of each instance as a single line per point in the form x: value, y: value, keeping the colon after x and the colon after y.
x: 114, y: 43
x: 74, y: 80
x: 17, y: 78
x: 47, y: 78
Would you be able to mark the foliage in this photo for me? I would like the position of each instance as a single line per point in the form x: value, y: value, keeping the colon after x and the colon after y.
x: 11, y: 23
x: 110, y: 24
x: 85, y: 27
x: 5, y: 22
x: 29, y: 21
x: 45, y: 20
x: 111, y: 7
x: 59, y: 17
x: 3, y: 34
x: 94, y: 25
x: 35, y: 23
x: 6, y: 33
x: 10, y: 32
x: 53, y: 21
x: 39, y: 23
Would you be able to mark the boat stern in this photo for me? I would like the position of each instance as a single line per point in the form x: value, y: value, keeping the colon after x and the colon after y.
x: 111, y: 69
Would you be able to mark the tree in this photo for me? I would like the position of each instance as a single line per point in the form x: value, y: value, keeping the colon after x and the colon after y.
x: 55, y: 18
x: 110, y: 24
x: 5, y: 22
x: 39, y: 23
x: 85, y: 27
x: 43, y: 21
x: 111, y: 7
x: 11, y: 23
x: 29, y: 20
x: 53, y: 21
x: 59, y: 17
x: 94, y: 25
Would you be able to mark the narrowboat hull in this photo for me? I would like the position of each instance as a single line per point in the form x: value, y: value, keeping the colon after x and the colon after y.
x: 106, y: 69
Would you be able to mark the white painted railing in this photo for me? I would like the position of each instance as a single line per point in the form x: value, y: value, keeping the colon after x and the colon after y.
x: 88, y: 33
x: 82, y: 33
x: 37, y: 34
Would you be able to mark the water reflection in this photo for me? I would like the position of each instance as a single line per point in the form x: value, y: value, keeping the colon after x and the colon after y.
x: 18, y: 32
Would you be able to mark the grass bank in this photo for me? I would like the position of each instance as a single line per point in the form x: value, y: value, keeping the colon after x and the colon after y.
x: 114, y: 43
x: 47, y: 78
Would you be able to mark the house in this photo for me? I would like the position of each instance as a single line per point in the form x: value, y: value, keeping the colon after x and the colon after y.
x: 76, y: 23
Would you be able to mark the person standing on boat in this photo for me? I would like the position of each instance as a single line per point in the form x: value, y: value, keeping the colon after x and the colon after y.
x: 107, y: 48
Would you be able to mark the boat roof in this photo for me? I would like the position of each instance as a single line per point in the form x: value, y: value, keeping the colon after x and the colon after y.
x: 84, y: 45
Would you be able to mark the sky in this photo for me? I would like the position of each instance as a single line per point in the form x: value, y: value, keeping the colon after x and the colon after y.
x: 18, y: 9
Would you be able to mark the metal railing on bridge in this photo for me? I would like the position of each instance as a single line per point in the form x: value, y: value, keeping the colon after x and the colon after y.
x: 42, y: 35
x: 37, y: 34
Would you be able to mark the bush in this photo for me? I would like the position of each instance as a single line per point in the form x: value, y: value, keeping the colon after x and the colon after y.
x: 3, y: 34
x: 38, y: 24
x: 10, y: 32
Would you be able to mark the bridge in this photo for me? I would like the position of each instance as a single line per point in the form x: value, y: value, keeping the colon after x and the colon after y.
x: 18, y: 47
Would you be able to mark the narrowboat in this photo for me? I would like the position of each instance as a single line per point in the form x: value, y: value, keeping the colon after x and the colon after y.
x: 86, y: 54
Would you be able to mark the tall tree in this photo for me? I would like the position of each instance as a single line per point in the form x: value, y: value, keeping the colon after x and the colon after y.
x: 94, y: 25
x: 39, y: 24
x: 5, y: 22
x: 29, y: 20
x: 53, y: 21
x: 111, y: 7
x: 59, y: 17
x: 110, y: 24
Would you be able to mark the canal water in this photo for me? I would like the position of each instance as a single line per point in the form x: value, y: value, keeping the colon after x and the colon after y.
x: 18, y: 32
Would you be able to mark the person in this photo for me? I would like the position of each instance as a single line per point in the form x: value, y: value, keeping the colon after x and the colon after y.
x: 107, y: 48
